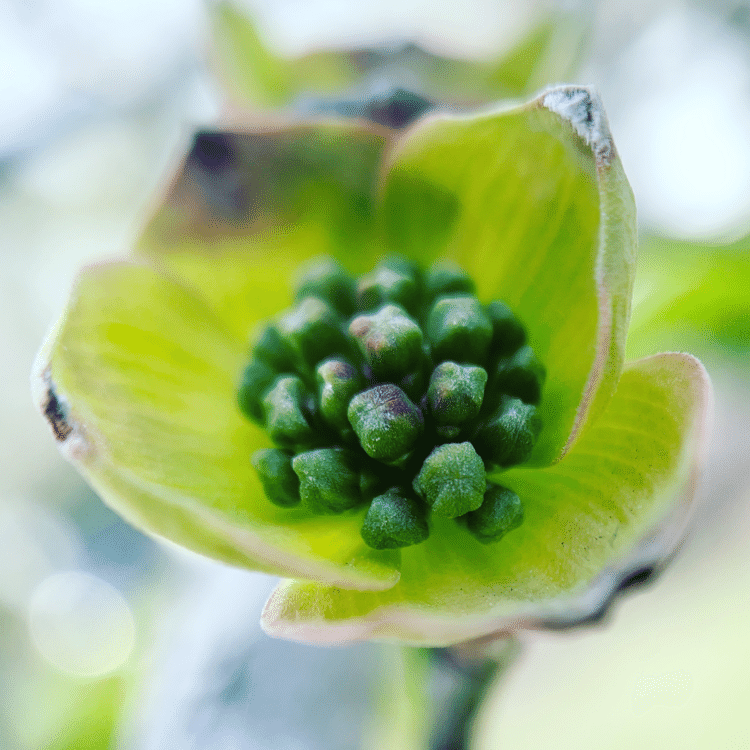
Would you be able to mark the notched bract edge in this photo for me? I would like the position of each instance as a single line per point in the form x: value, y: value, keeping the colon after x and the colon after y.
x: 582, y: 107
x: 55, y: 415
x: 67, y: 431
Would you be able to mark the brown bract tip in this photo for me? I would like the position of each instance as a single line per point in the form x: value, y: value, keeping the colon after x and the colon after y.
x: 53, y: 411
x: 66, y: 429
x: 582, y: 107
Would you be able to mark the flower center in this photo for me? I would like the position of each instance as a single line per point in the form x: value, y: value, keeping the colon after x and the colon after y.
x: 399, y: 390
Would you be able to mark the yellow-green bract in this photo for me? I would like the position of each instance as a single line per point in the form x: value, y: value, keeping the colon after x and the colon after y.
x: 139, y: 377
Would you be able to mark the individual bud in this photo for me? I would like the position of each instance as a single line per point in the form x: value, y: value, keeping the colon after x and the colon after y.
x: 287, y: 407
x: 390, y: 341
x: 452, y: 480
x: 388, y: 283
x: 455, y: 393
x: 501, y: 511
x: 386, y: 421
x: 257, y: 378
x: 314, y: 330
x: 507, y: 332
x: 395, y: 519
x: 338, y: 382
x: 327, y: 280
x: 509, y: 435
x: 275, y: 350
x: 329, y: 480
x: 521, y: 375
x: 458, y: 329
x: 279, y: 481
x: 447, y: 279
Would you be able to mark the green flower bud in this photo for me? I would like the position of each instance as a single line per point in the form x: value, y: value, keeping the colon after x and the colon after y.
x: 386, y: 421
x: 327, y: 280
x: 338, y: 382
x: 390, y: 341
x: 314, y: 330
x: 274, y: 349
x: 370, y: 404
x: 520, y: 375
x: 455, y: 393
x: 501, y: 511
x: 452, y: 480
x: 287, y: 406
x: 447, y: 279
x: 509, y: 435
x: 507, y: 332
x: 279, y: 481
x: 329, y: 480
x: 388, y: 283
x: 395, y: 519
x: 459, y: 329
x: 257, y: 378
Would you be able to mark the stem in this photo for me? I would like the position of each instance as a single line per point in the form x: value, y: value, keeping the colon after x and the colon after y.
x: 403, y: 710
x: 472, y: 672
x: 428, y: 698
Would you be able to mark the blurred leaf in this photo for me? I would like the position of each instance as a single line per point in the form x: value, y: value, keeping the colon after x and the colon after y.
x: 550, y: 52
x: 50, y: 710
x: 254, y: 74
x: 91, y: 717
x: 692, y: 296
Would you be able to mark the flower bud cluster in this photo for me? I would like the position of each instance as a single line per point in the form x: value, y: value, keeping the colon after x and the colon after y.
x: 399, y: 390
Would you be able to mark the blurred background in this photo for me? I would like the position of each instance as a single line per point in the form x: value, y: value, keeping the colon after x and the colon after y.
x: 110, y: 640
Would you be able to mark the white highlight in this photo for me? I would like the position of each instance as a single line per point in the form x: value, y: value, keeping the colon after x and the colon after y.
x: 80, y: 624
x: 682, y: 114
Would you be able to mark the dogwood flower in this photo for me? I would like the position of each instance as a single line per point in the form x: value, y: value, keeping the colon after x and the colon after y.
x: 140, y: 377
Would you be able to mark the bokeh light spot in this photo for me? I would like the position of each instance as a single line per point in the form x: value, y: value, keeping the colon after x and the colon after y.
x: 81, y: 624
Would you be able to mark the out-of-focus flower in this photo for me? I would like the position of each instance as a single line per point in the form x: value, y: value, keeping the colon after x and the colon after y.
x: 138, y: 380
x: 548, y: 50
